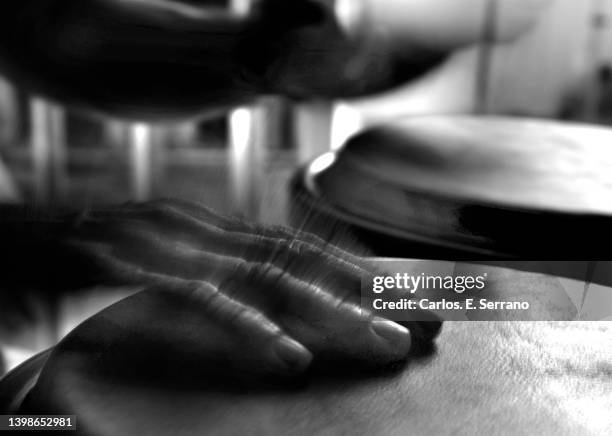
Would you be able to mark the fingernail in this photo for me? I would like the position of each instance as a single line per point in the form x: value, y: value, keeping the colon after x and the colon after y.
x: 391, y: 331
x: 291, y: 355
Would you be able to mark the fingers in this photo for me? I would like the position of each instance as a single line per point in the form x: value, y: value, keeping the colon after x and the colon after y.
x: 304, y: 302
x: 332, y: 327
x: 146, y: 249
x: 306, y: 288
x: 165, y: 224
x: 234, y: 225
x: 195, y: 222
x: 237, y: 227
x: 179, y: 316
x: 294, y: 250
x: 269, y: 348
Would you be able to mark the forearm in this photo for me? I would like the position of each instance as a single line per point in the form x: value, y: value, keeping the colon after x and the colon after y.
x: 164, y: 59
x: 125, y: 57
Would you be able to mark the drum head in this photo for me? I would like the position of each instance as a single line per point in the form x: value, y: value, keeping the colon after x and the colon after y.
x: 484, y: 378
x: 484, y: 185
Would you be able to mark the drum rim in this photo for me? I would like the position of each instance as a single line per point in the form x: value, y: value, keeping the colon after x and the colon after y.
x: 519, y: 207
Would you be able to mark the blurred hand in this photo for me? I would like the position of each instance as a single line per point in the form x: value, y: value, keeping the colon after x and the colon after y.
x: 279, y: 298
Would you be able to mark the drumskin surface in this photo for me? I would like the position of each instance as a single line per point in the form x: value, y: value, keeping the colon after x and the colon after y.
x: 524, y: 163
x: 492, y: 186
x: 499, y: 378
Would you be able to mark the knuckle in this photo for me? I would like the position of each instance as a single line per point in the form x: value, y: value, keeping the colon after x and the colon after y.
x: 262, y: 272
x: 159, y: 211
x: 268, y: 274
x: 278, y: 251
x: 204, y: 294
x: 242, y: 270
x: 347, y: 304
x: 242, y: 317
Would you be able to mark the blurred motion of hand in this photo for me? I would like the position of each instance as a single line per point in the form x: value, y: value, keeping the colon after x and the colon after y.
x: 173, y: 59
x: 281, y: 299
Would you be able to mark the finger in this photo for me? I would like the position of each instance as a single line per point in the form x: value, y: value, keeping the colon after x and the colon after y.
x: 150, y: 250
x: 233, y: 225
x: 251, y: 341
x: 198, y: 225
x: 300, y: 256
x: 333, y: 323
x: 262, y: 344
x: 201, y: 212
x: 332, y: 327
x: 306, y: 262
x: 146, y: 249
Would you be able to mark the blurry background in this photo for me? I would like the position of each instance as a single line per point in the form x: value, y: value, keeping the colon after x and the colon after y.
x: 241, y: 162
x: 49, y: 154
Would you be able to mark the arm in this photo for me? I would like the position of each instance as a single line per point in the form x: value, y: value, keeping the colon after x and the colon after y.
x: 171, y: 58
x: 154, y: 58
x: 165, y: 58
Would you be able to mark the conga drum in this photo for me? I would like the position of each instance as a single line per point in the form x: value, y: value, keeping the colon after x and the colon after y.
x: 498, y: 378
x: 464, y: 187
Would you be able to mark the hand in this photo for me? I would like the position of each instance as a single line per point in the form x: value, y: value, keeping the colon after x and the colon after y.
x: 279, y: 299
